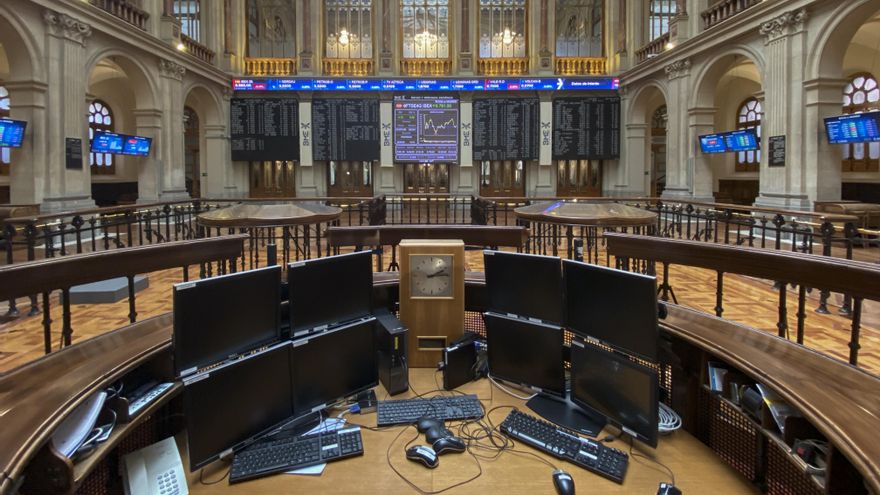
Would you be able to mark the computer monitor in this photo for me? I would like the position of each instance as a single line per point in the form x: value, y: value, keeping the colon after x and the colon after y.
x: 525, y: 285
x: 11, y: 133
x: 219, y: 317
x: 232, y: 404
x: 333, y: 365
x: 853, y: 128
x: 526, y: 353
x: 328, y: 291
x: 613, y: 306
x: 623, y: 391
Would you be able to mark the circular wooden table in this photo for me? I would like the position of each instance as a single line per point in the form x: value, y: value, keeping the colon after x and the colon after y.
x: 592, y: 217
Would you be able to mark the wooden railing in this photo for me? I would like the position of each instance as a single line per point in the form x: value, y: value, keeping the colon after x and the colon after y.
x: 270, y: 66
x: 348, y: 66
x: 722, y: 10
x: 124, y: 10
x: 503, y: 66
x: 652, y: 49
x: 62, y: 273
x: 426, y: 66
x: 581, y: 66
x: 197, y: 49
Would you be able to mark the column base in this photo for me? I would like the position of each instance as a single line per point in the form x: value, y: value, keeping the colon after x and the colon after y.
x: 784, y: 201
x: 174, y: 195
x: 676, y: 193
x: 622, y: 191
x: 70, y: 203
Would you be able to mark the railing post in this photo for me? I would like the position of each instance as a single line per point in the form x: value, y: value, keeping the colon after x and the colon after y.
x: 782, y: 324
x: 827, y: 229
x: 132, y: 314
x: 854, y: 345
x: 802, y: 313
x: 719, y: 294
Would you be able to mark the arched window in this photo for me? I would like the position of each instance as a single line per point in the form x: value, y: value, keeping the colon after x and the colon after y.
x: 100, y: 119
x: 188, y: 12
x: 749, y: 116
x: 425, y: 28
x: 5, y: 153
x: 579, y: 28
x: 660, y: 15
x: 503, y: 28
x: 348, y: 29
x: 270, y: 29
x: 861, y: 95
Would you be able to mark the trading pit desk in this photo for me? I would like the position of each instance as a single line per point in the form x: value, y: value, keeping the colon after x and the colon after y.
x: 697, y: 469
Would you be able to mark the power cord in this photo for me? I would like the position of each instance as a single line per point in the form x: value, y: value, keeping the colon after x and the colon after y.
x: 636, y: 455
x: 669, y: 420
x: 207, y: 483
x: 509, y: 392
x: 411, y: 483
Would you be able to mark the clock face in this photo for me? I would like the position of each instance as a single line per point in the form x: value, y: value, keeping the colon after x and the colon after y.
x: 430, y: 275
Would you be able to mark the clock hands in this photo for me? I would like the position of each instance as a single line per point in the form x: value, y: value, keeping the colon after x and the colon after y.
x: 440, y: 273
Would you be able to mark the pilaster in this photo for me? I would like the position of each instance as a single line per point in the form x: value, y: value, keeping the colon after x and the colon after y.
x: 170, y: 149
x: 384, y: 183
x: 679, y: 159
x: 701, y: 120
x: 468, y: 174
x: 545, y: 183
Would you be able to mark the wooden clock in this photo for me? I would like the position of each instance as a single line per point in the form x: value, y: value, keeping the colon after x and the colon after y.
x: 431, y: 297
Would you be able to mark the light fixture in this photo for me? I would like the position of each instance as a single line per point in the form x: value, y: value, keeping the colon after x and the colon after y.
x: 181, y: 46
x: 670, y: 45
x: 343, y: 37
x: 507, y: 36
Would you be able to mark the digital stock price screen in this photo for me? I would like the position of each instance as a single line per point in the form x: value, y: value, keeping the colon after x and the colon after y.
x: 426, y: 129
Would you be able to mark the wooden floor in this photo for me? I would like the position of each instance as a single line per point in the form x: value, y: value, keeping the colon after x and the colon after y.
x: 752, y: 302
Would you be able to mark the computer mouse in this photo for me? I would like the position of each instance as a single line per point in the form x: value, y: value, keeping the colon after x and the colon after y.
x: 425, y: 423
x: 667, y: 489
x: 563, y: 482
x: 424, y: 455
x: 434, y: 433
x: 448, y: 444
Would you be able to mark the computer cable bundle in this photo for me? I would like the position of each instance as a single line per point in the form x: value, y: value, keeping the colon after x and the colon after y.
x: 508, y: 391
x: 669, y: 420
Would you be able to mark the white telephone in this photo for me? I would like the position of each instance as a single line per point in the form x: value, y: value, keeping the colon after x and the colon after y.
x: 155, y: 470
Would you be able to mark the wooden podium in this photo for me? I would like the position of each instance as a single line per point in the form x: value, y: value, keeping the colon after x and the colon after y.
x: 431, y: 297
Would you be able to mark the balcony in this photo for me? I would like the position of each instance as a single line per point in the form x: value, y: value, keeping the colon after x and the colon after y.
x: 197, y: 49
x: 426, y: 66
x: 348, y: 66
x: 503, y: 66
x: 124, y: 10
x: 581, y: 66
x: 722, y: 10
x: 652, y: 49
x: 268, y: 66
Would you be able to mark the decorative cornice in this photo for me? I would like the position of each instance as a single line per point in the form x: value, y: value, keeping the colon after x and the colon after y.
x: 69, y: 27
x: 679, y: 68
x: 783, y: 25
x: 171, y: 70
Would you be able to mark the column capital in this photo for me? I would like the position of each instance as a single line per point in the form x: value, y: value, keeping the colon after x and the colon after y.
x: 783, y: 25
x: 70, y: 28
x: 171, y: 69
x: 679, y: 68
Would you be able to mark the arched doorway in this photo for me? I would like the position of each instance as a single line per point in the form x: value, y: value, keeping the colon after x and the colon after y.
x: 659, y: 121
x: 191, y: 151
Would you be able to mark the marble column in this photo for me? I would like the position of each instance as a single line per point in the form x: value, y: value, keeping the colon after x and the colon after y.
x: 785, y: 54
x: 170, y: 150
x: 701, y: 120
x: 217, y: 183
x: 633, y: 164
x: 28, y: 101
x: 66, y: 188
x: 678, y: 167
x: 821, y: 161
x: 148, y: 123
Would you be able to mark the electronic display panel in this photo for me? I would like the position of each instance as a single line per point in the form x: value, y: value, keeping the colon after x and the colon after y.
x: 855, y: 128
x: 730, y: 142
x: 11, y: 133
x: 426, y: 129
x: 713, y: 143
x: 120, y: 144
x: 438, y: 84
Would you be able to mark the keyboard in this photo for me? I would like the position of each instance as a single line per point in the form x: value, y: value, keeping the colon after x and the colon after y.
x: 285, y: 454
x: 593, y: 456
x: 447, y: 408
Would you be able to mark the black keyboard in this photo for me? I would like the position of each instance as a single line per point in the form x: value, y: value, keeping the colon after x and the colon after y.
x: 447, y: 408
x: 547, y: 437
x: 274, y: 455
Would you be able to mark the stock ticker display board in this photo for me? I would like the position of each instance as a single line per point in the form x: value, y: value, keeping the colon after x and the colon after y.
x: 345, y: 129
x: 506, y: 129
x: 426, y: 129
x: 586, y: 128
x: 264, y: 129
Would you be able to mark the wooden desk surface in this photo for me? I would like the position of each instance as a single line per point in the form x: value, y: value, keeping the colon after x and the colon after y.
x: 697, y: 469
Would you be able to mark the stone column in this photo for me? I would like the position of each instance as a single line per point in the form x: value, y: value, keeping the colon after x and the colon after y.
x: 466, y: 55
x: 545, y: 53
x: 170, y: 150
x: 679, y: 28
x: 213, y: 23
x: 148, y: 123
x: 66, y: 188
x: 467, y: 172
x: 821, y: 161
x: 386, y: 53
x: 678, y: 174
x: 785, y: 53
x: 701, y: 120
x: 28, y: 100
x: 634, y: 163
x: 306, y: 21
x: 218, y: 182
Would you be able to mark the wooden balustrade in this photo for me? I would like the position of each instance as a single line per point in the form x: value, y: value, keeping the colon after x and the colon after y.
x: 125, y: 10
x: 503, y: 66
x: 348, y: 66
x: 197, y: 49
x: 581, y: 66
x: 722, y: 10
x: 426, y: 66
x: 652, y: 49
x: 267, y: 66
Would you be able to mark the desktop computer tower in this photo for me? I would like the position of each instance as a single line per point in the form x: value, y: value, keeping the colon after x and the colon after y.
x: 391, y: 343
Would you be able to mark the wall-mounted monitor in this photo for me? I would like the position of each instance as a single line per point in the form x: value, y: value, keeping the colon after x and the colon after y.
x: 11, y: 133
x: 120, y: 144
x: 426, y: 129
x: 855, y: 128
x: 730, y: 142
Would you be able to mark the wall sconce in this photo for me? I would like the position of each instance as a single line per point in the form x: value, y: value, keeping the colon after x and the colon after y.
x: 343, y: 37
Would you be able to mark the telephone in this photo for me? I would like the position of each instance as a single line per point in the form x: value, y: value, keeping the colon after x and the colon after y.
x: 155, y: 470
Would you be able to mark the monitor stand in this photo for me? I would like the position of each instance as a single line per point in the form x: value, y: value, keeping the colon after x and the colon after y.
x: 565, y: 413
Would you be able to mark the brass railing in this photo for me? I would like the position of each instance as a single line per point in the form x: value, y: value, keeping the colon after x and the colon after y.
x: 267, y: 66
x: 652, y: 49
x: 722, y: 10
x: 575, y: 66
x: 503, y: 66
x: 348, y: 66
x: 197, y: 49
x: 426, y: 66
x: 124, y: 10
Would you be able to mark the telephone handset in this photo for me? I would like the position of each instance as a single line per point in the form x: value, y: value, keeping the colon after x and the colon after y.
x: 155, y: 470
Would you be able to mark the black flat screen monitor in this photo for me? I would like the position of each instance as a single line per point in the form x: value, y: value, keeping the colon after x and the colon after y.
x: 730, y: 142
x: 234, y: 403
x: 614, y: 306
x: 219, y: 317
x: 855, y: 128
x: 11, y: 133
x: 328, y: 291
x: 333, y: 365
x: 526, y: 353
x: 525, y: 285
x: 623, y: 391
x: 120, y: 144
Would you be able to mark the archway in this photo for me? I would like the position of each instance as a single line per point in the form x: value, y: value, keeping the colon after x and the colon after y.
x: 646, y: 145
x: 204, y: 144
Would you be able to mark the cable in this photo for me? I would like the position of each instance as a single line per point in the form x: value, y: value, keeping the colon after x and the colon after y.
x: 520, y: 397
x: 412, y: 484
x: 669, y: 420
x: 636, y: 455
x: 206, y: 483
